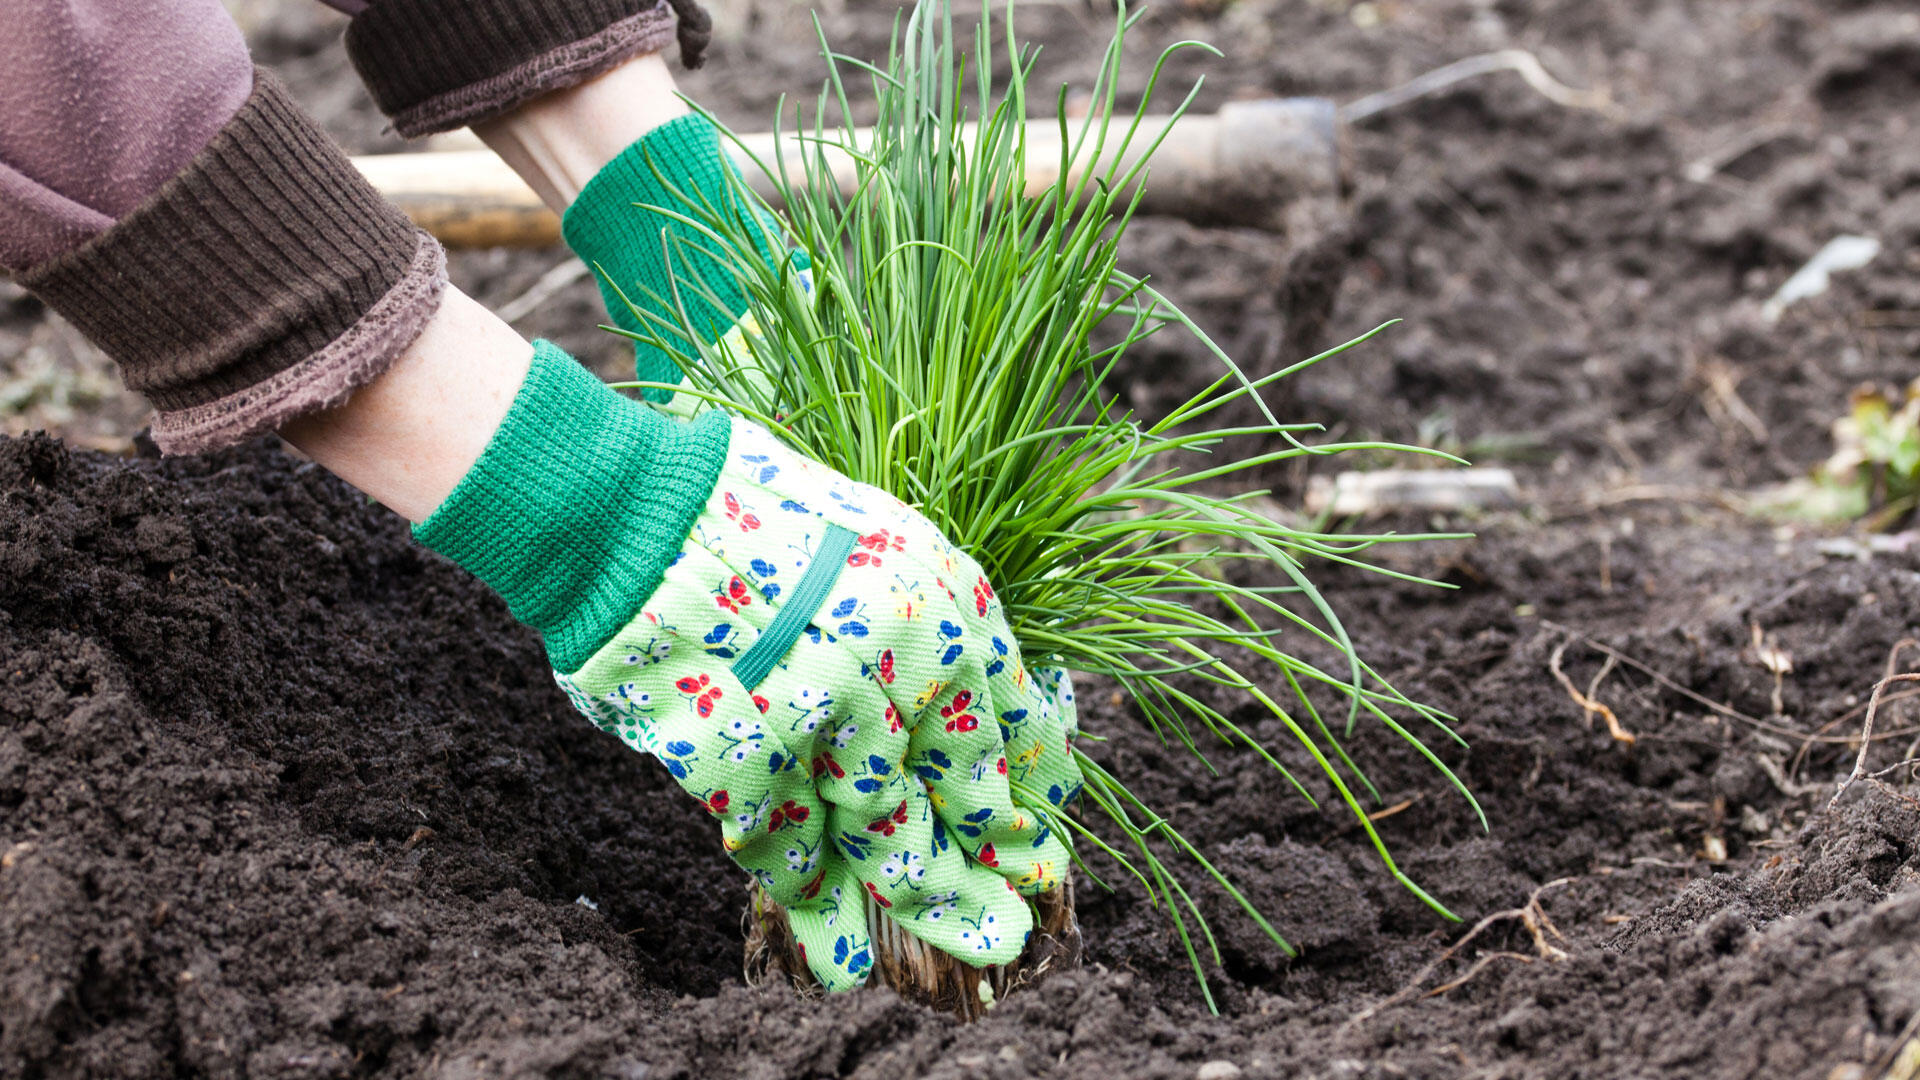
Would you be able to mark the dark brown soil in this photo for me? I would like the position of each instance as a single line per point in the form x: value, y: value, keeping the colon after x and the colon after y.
x: 283, y: 795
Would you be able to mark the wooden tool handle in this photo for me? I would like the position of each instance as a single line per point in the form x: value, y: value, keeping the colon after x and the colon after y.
x: 1269, y: 164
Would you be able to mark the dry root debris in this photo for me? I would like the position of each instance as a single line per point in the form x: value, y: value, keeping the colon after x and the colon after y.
x: 1587, y: 701
x: 913, y: 969
x: 1530, y: 915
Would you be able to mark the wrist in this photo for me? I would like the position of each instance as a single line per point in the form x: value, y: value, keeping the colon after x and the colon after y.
x: 559, y: 141
x: 658, y: 275
x: 578, y: 504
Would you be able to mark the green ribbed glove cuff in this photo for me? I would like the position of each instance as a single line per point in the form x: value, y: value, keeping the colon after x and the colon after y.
x: 610, y: 228
x: 578, y: 504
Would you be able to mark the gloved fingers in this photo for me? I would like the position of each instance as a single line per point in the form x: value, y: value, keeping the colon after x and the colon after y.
x: 942, y: 643
x: 1034, y: 707
x: 957, y: 752
x: 1057, y: 684
x: 1010, y: 688
x: 881, y: 822
x: 958, y: 746
x: 904, y: 613
x: 1038, y: 730
x: 963, y: 909
x: 933, y: 668
x: 1041, y: 753
x: 830, y: 927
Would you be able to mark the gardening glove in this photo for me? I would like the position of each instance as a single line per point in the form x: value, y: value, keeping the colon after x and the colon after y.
x: 850, y: 635
x: 806, y: 655
x: 647, y: 261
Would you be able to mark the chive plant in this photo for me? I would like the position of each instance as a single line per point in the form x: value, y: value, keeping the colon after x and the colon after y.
x: 958, y: 347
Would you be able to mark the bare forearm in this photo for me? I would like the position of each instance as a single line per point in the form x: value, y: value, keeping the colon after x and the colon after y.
x: 409, y: 436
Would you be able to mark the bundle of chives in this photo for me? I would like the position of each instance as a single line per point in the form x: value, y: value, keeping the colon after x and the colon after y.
x: 956, y: 348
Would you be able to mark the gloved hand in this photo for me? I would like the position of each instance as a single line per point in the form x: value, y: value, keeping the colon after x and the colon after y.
x: 830, y: 676
x: 807, y: 655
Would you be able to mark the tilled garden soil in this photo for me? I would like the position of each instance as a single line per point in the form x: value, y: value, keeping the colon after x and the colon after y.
x: 282, y: 794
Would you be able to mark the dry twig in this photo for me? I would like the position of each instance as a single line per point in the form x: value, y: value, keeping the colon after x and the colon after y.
x: 1908, y: 763
x: 1902, y: 1062
x: 1531, y: 915
x: 1720, y: 396
x: 1768, y: 654
x: 1707, y: 167
x: 1381, y: 815
x: 1873, y: 706
x: 1586, y: 700
x: 1820, y: 733
x: 1664, y: 493
x: 1666, y: 681
x: 1478, y: 965
x: 1892, y: 792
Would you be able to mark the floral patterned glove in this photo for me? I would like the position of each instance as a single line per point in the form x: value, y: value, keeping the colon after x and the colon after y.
x: 838, y: 686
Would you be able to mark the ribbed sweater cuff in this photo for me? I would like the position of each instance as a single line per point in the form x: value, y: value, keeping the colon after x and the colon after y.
x: 435, y: 65
x: 264, y: 280
x: 578, y: 504
x: 682, y: 166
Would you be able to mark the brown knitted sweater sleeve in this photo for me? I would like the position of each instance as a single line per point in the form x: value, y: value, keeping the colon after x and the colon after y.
x: 264, y: 280
x: 435, y: 65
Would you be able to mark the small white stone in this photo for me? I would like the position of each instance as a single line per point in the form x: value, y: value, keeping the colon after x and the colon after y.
x: 1218, y: 1070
